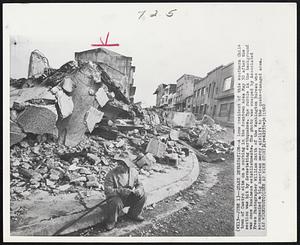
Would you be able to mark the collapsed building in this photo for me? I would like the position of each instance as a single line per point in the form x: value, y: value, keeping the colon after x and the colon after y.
x: 117, y: 66
x: 68, y: 124
x: 71, y: 100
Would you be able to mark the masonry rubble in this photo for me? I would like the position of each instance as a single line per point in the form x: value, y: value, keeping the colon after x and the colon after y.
x: 68, y: 127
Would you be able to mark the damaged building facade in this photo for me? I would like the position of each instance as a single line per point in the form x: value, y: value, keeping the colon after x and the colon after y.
x: 184, y: 92
x: 165, y: 96
x: 117, y: 66
x: 212, y: 95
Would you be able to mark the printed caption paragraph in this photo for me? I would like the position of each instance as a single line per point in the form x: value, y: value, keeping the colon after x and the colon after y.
x: 250, y: 144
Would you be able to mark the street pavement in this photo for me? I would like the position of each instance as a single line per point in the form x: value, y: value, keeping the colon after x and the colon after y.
x: 206, y: 208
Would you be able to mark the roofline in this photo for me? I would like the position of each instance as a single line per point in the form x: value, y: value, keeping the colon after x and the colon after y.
x: 217, y: 68
x: 188, y: 75
x: 103, y: 49
x: 231, y: 63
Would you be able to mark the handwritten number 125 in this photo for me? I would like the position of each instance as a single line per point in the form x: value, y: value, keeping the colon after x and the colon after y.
x: 169, y: 14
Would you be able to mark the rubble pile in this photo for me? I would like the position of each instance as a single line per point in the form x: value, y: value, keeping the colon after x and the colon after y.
x: 206, y: 137
x: 39, y: 162
x: 69, y: 125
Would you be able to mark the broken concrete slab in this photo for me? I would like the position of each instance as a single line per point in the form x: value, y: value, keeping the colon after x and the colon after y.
x: 172, y: 159
x: 106, y: 132
x: 207, y: 120
x: 94, y: 158
x: 199, y: 155
x: 156, y: 147
x: 16, y: 134
x: 145, y: 160
x: 68, y: 85
x: 128, y: 127
x: 65, y: 104
x: 26, y: 94
x: 37, y: 64
x: 72, y: 128
x: 184, y: 136
x: 116, y: 109
x: 202, y: 138
x: 93, y: 116
x: 174, y: 134
x: 181, y: 119
x: 101, y: 97
x: 39, y: 119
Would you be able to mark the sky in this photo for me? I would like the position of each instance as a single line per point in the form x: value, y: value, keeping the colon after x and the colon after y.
x: 195, y: 40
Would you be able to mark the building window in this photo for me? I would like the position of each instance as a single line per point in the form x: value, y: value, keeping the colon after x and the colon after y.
x: 217, y: 90
x: 223, y: 110
x: 213, y: 89
x: 201, y: 109
x: 227, y: 84
x: 202, y: 91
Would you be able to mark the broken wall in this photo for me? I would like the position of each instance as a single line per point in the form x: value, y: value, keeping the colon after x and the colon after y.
x: 113, y: 60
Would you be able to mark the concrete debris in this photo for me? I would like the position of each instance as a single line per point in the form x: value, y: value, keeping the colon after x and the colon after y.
x: 156, y: 147
x: 37, y: 64
x: 101, y: 97
x: 94, y: 122
x: 93, y: 116
x: 96, y: 160
x: 64, y: 187
x: 172, y: 159
x: 207, y: 120
x: 120, y: 143
x: 20, y: 96
x: 38, y: 119
x: 202, y: 139
x: 106, y: 132
x: 180, y: 119
x: 16, y: 134
x: 68, y: 85
x: 174, y: 134
x: 145, y: 160
x: 65, y: 104
x: 91, y: 92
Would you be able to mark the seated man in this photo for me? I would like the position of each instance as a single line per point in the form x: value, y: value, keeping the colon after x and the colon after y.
x: 122, y: 189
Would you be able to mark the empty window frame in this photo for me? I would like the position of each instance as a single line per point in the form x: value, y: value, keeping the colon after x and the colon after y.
x: 227, y: 83
x: 223, y: 110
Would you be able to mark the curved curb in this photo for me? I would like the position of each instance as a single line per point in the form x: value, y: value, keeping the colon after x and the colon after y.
x: 176, y: 186
x: 97, y: 215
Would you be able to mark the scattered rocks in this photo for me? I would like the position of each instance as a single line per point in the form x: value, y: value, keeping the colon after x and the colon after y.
x: 94, y: 158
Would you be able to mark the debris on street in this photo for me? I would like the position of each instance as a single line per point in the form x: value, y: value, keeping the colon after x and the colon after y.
x: 68, y: 125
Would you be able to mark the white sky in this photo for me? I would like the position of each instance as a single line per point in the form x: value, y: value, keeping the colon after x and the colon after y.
x: 198, y: 38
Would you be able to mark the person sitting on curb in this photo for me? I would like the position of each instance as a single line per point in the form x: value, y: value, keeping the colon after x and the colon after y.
x: 122, y: 189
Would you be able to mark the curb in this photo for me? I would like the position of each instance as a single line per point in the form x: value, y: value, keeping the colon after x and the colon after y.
x: 97, y: 215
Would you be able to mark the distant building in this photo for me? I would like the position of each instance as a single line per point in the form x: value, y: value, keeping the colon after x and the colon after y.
x: 165, y: 94
x: 171, y: 102
x: 214, y: 94
x: 168, y: 95
x: 159, y: 93
x: 225, y: 95
x: 184, y: 89
x: 117, y: 66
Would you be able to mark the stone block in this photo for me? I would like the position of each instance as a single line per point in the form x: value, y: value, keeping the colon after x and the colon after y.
x: 93, y: 116
x: 39, y: 119
x: 156, y: 147
x: 101, y: 97
x: 16, y: 134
